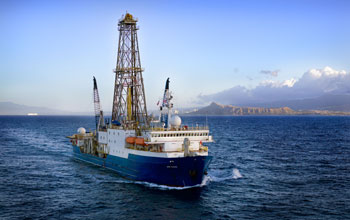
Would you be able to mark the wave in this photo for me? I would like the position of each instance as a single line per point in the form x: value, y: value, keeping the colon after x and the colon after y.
x: 160, y: 187
x: 219, y: 176
x: 235, y: 174
x: 40, y: 141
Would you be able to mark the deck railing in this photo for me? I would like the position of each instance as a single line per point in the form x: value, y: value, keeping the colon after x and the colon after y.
x: 159, y: 128
x: 183, y: 128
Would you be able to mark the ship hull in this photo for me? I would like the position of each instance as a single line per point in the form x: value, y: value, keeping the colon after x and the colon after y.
x: 180, y: 172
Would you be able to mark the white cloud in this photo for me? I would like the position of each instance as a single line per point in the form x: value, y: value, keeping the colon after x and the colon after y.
x: 325, y: 72
x: 289, y: 82
x: 313, y: 83
x: 278, y: 84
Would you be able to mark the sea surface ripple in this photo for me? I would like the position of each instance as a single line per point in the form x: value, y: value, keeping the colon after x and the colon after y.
x: 263, y: 168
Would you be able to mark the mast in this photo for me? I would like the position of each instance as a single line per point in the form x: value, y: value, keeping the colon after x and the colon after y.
x: 129, y: 101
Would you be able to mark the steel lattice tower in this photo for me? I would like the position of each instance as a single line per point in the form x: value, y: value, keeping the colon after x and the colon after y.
x: 129, y: 101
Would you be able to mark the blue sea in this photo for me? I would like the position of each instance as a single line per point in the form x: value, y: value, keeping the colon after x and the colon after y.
x: 263, y: 168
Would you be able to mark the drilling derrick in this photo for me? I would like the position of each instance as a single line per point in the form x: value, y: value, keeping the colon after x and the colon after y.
x: 129, y: 101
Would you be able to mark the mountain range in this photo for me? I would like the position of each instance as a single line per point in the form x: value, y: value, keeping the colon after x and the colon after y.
x: 229, y: 110
x: 328, y: 102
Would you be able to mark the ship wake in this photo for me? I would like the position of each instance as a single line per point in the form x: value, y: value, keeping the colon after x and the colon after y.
x: 162, y: 187
x: 213, y: 176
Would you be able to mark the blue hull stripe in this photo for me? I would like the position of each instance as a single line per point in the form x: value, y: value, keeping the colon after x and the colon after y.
x: 184, y: 171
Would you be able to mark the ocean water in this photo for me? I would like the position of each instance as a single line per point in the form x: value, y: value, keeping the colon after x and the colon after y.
x: 263, y: 168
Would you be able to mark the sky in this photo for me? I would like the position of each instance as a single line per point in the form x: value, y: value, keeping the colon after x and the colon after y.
x: 225, y: 51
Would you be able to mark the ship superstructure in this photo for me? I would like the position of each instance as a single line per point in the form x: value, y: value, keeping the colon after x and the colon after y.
x: 164, y: 152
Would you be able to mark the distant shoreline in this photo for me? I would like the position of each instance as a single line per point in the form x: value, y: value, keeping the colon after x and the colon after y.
x: 217, y: 109
x: 301, y: 115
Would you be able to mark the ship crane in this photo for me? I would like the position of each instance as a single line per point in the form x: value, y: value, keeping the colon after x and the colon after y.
x: 98, y: 111
x: 165, y: 114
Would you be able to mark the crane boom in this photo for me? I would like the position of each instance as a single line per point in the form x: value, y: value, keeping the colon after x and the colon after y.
x: 98, y: 111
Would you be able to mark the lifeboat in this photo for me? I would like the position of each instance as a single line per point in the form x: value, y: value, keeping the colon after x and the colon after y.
x: 140, y: 141
x: 130, y: 140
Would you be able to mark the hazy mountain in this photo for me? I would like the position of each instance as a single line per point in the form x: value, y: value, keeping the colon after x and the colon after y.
x: 10, y: 108
x: 218, y: 109
x: 326, y: 102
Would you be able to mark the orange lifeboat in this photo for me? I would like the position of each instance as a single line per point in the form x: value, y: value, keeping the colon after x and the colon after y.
x: 130, y: 140
x: 140, y: 141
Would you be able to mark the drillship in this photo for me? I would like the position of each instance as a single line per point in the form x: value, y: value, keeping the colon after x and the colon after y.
x: 133, y: 145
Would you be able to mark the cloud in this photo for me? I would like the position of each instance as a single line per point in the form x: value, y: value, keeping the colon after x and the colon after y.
x: 313, y: 83
x: 238, y: 93
x: 269, y: 72
x: 278, y: 84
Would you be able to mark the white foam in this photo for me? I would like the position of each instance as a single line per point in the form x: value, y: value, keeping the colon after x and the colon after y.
x: 219, y: 176
x: 163, y: 187
x: 236, y: 174
x: 205, y: 182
